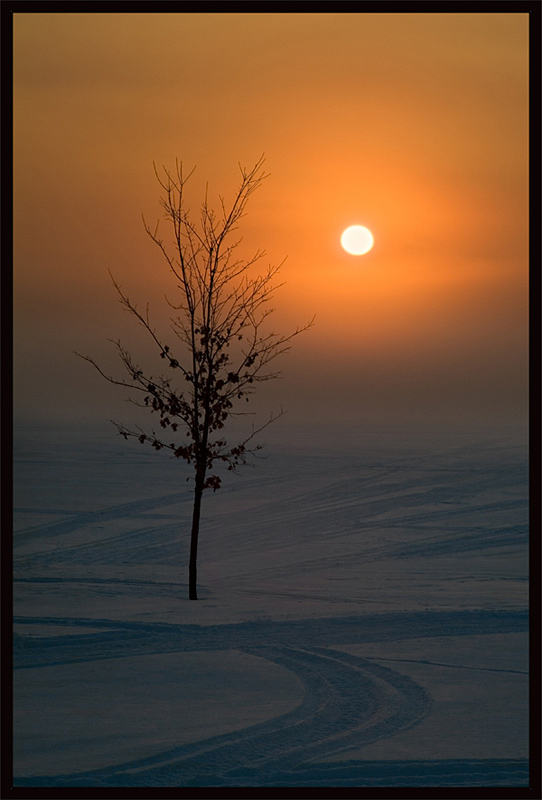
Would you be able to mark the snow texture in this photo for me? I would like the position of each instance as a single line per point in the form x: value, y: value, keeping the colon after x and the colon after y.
x: 362, y: 617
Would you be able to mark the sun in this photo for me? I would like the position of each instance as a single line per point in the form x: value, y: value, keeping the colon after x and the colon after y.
x: 357, y: 240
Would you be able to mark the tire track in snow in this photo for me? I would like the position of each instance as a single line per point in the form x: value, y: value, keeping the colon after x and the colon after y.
x: 452, y: 772
x: 126, y: 639
x: 450, y: 666
x: 132, y: 509
x: 348, y: 702
x: 436, y: 545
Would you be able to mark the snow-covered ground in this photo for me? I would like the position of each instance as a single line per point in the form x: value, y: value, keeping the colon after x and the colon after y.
x: 362, y: 617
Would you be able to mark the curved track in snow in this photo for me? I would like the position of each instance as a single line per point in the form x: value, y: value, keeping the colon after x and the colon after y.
x: 348, y: 701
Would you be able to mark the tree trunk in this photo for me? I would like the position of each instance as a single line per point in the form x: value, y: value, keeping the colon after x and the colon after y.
x: 192, y: 568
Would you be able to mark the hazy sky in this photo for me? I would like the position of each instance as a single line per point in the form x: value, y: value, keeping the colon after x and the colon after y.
x: 414, y: 125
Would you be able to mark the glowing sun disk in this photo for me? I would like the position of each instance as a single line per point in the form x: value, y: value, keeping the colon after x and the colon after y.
x: 357, y: 240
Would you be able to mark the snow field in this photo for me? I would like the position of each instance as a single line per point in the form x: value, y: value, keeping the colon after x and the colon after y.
x: 362, y: 618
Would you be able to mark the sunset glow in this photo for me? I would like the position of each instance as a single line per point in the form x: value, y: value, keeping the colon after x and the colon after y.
x: 434, y: 148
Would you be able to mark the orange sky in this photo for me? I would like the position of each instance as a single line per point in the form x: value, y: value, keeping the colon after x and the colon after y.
x: 414, y: 125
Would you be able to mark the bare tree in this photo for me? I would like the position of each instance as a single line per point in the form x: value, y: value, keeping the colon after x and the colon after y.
x: 224, y: 346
